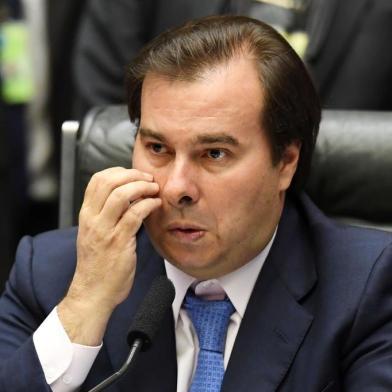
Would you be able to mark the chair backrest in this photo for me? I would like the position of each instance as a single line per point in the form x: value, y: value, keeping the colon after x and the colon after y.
x: 351, y: 176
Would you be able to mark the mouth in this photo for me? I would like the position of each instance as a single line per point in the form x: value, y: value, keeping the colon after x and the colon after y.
x: 185, y: 232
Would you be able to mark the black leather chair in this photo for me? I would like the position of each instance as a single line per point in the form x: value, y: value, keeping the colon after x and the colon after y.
x: 351, y: 177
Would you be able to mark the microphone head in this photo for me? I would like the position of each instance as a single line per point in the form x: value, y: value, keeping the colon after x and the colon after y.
x: 151, y: 311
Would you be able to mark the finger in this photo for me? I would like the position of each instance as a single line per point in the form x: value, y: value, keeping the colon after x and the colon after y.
x: 104, y: 182
x: 120, y: 199
x: 133, y: 218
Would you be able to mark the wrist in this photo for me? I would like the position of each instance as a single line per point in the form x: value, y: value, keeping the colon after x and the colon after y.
x: 84, y: 321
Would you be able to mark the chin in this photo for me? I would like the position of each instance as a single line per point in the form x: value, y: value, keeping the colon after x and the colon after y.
x: 190, y: 257
x: 191, y: 262
x: 185, y: 259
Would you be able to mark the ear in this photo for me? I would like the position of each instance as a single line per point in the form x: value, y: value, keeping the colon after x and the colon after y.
x: 288, y: 164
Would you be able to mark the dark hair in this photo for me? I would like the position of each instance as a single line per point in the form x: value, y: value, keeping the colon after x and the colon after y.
x: 291, y: 108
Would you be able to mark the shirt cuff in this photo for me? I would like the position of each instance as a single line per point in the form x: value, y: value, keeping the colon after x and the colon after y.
x: 65, y: 364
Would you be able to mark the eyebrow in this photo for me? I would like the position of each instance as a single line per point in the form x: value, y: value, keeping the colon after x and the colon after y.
x: 207, y: 138
x: 144, y: 132
x: 221, y: 138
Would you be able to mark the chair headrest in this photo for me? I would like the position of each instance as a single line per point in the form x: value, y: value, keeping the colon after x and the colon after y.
x: 351, y: 174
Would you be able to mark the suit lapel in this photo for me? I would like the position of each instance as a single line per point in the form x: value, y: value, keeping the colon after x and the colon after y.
x: 332, y: 28
x: 155, y: 369
x: 274, y: 324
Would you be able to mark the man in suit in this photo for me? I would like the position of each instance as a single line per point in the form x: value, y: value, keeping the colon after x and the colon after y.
x: 228, y: 119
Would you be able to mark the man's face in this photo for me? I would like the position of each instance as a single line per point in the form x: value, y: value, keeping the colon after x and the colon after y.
x: 222, y: 196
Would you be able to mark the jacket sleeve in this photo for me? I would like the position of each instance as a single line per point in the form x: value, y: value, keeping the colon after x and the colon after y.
x: 20, y: 316
x: 367, y: 357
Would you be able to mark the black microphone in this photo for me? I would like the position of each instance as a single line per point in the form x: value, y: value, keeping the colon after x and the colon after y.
x: 145, y: 324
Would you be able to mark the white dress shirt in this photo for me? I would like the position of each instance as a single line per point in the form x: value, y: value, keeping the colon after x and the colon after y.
x: 66, y: 364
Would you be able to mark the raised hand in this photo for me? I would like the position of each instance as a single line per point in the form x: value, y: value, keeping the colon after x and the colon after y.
x: 116, y: 202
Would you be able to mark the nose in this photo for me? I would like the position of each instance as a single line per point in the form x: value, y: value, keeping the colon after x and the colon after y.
x: 180, y: 188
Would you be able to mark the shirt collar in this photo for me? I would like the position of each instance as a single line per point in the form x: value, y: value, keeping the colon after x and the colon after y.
x: 238, y: 284
x: 181, y: 282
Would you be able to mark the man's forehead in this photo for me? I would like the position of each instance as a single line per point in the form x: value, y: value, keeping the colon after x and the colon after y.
x: 223, y: 107
x: 233, y: 84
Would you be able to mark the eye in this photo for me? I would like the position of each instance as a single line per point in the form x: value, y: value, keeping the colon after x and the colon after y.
x: 157, y: 148
x: 216, y: 154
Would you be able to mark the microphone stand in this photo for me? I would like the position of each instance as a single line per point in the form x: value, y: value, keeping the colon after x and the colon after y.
x: 135, y: 348
x: 146, y: 322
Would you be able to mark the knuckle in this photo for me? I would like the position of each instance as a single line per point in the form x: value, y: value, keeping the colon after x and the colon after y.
x: 86, y: 225
x: 134, y: 214
x: 133, y: 218
x: 101, y: 176
x: 96, y: 177
x: 93, y: 239
x: 105, y: 182
x: 118, y: 194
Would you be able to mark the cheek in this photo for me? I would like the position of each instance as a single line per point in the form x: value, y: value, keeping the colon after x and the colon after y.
x: 228, y: 204
x: 142, y: 163
x: 246, y: 203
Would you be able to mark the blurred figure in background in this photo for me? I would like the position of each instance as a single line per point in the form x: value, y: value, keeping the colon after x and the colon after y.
x: 349, y: 53
x: 37, y: 38
x: 63, y: 23
x: 15, y: 93
x: 345, y: 44
x: 113, y: 32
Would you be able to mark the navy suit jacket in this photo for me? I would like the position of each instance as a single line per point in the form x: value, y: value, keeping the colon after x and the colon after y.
x: 319, y: 318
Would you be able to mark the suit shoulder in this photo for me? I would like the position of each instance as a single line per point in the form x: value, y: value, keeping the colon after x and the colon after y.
x: 342, y: 246
x: 54, y: 243
x: 46, y: 262
x: 352, y: 241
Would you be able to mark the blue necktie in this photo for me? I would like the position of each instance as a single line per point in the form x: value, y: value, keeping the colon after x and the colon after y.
x: 210, y: 319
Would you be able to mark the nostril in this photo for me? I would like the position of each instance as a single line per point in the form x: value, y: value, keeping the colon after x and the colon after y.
x: 185, y: 200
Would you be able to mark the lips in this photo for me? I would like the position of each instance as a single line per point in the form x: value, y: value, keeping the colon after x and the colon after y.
x: 186, y: 231
x: 184, y: 226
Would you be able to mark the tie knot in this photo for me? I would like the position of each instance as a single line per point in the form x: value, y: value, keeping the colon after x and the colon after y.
x: 210, y: 319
